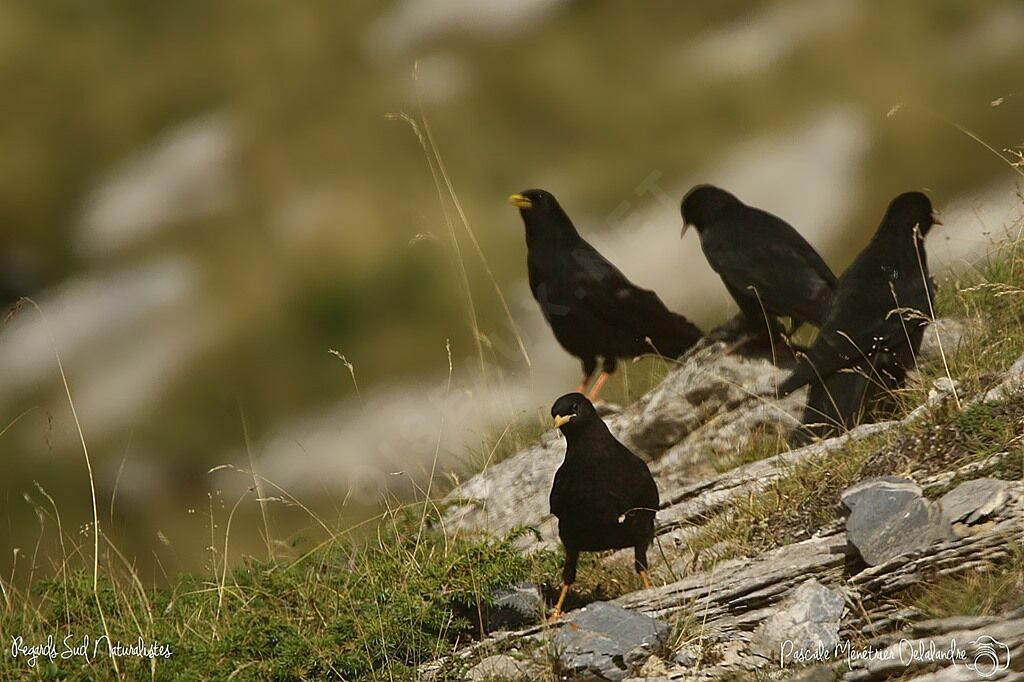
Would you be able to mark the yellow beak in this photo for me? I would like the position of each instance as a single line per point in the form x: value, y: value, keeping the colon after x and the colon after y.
x: 561, y: 420
x: 519, y: 201
x: 935, y: 219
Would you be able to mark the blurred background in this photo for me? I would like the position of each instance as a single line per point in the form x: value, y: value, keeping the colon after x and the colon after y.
x: 206, y: 199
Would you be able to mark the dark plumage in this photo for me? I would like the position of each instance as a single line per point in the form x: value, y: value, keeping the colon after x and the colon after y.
x: 603, y: 495
x: 873, y: 330
x: 838, y: 404
x: 765, y: 264
x: 592, y: 308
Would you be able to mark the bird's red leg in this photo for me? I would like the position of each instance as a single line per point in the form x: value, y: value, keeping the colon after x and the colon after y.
x: 598, y: 385
x: 646, y: 580
x: 557, y: 613
x: 583, y: 384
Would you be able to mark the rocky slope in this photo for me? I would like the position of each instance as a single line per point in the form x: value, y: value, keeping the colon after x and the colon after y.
x: 760, y: 578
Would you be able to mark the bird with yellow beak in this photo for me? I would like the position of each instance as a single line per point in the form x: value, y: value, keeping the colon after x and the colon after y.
x: 593, y: 310
x: 603, y: 495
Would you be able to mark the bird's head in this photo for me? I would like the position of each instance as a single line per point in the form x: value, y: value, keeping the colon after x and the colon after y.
x: 908, y: 210
x: 536, y: 201
x: 571, y: 411
x: 702, y: 204
x: 545, y: 221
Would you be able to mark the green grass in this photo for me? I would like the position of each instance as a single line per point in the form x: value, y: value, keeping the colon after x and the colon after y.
x: 364, y: 606
x: 975, y: 593
x: 353, y: 610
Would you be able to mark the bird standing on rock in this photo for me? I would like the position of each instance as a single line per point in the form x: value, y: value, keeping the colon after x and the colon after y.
x: 593, y: 310
x: 768, y: 268
x: 873, y: 330
x: 603, y: 495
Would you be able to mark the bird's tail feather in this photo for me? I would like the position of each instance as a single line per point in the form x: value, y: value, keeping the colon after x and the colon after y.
x: 674, y: 336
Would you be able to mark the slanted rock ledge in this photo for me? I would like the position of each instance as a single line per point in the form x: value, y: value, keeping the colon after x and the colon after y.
x: 702, y: 408
x: 845, y: 583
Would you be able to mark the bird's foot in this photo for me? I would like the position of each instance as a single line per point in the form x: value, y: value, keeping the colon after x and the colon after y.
x: 646, y: 580
x: 557, y: 612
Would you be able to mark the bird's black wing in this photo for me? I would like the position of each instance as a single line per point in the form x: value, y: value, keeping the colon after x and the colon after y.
x: 775, y: 261
x: 862, y: 321
x: 560, y: 498
x: 606, y: 294
x: 630, y: 482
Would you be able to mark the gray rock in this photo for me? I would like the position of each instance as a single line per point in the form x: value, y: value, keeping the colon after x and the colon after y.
x: 705, y: 404
x: 685, y: 657
x: 1013, y: 381
x: 809, y: 620
x: 701, y: 406
x: 888, y: 518
x: 502, y: 668
x: 941, y: 337
x: 516, y: 606
x: 733, y: 598
x: 607, y: 642
x: 868, y: 490
x: 974, y: 501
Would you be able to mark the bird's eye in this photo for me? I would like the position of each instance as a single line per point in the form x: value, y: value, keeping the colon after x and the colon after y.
x: 575, y: 408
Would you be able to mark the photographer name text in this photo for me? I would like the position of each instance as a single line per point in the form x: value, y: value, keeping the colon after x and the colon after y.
x: 86, y: 647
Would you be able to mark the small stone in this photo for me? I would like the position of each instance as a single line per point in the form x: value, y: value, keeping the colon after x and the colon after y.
x: 608, y: 642
x: 685, y: 658
x: 862, y: 490
x: 888, y: 518
x: 973, y: 501
x: 941, y: 337
x: 809, y: 620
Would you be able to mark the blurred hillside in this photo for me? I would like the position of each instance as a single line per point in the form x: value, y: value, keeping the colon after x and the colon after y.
x: 205, y: 199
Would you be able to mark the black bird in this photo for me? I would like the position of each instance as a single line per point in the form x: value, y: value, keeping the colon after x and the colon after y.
x: 838, y: 404
x: 603, y: 495
x: 873, y: 330
x: 768, y: 268
x: 592, y: 308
